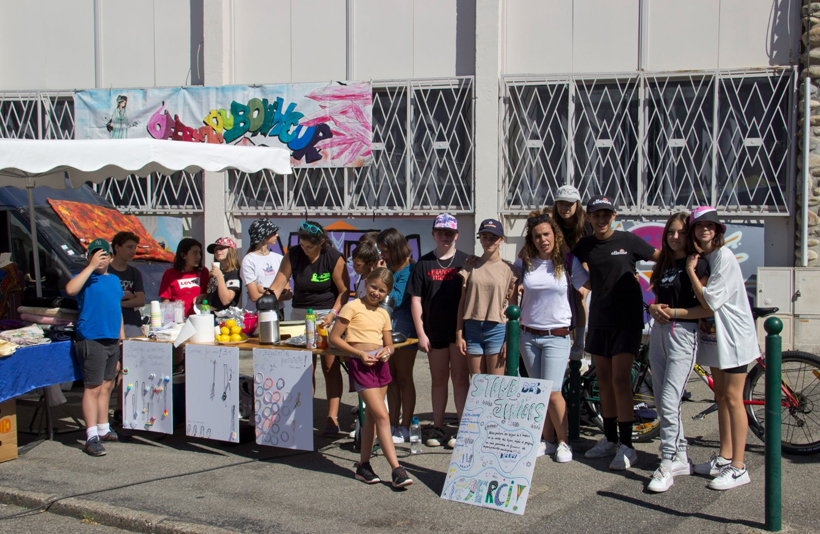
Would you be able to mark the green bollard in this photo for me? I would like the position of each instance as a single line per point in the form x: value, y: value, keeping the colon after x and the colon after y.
x: 574, y: 401
x: 773, y: 497
x: 513, y: 333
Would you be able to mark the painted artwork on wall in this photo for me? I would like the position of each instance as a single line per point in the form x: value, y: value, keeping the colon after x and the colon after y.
x: 322, y: 124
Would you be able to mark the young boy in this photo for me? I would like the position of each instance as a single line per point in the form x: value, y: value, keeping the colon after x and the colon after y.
x: 615, y: 324
x: 99, y: 331
x: 365, y: 256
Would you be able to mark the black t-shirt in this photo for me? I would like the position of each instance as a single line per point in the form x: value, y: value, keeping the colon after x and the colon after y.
x: 439, y: 286
x: 313, y: 282
x: 617, y: 299
x: 675, y: 288
x: 569, y: 233
x: 131, y: 281
x: 232, y: 282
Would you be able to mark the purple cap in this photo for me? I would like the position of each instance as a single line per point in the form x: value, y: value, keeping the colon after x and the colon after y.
x: 704, y: 214
x: 445, y: 221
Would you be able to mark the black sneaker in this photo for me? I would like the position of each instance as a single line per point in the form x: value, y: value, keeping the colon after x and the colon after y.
x: 111, y: 436
x: 93, y: 447
x: 400, y: 478
x: 364, y: 472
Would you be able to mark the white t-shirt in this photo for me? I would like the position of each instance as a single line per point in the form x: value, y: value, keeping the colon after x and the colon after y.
x: 261, y: 270
x: 361, y: 287
x: 734, y: 341
x: 545, y: 304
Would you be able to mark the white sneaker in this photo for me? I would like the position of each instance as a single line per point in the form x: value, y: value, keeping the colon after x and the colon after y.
x: 681, y: 466
x: 730, y: 477
x: 397, y: 437
x: 451, y: 443
x: 603, y: 448
x: 624, y: 459
x: 713, y: 467
x: 662, y: 480
x: 563, y: 454
x: 542, y: 448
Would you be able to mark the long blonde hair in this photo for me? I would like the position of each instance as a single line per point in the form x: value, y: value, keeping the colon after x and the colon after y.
x: 231, y: 262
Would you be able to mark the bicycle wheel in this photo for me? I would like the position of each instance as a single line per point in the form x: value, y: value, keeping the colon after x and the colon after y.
x: 800, y: 423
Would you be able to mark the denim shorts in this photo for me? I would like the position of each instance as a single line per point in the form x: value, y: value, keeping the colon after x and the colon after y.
x: 484, y: 337
x: 403, y: 322
x: 545, y: 357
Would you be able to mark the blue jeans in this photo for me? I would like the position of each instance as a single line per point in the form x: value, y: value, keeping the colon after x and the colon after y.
x: 545, y: 357
x: 484, y: 337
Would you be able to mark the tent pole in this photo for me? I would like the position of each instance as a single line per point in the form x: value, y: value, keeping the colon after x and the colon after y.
x: 35, y: 251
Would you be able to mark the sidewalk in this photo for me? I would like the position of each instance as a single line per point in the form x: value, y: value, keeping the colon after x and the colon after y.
x: 190, y: 485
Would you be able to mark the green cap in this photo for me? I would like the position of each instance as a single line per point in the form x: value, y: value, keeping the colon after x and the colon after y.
x: 310, y: 311
x: 98, y: 244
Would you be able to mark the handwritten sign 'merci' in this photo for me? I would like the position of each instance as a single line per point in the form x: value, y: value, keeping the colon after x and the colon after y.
x: 494, y: 456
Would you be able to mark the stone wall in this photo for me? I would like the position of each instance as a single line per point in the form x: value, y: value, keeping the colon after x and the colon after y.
x: 810, y: 63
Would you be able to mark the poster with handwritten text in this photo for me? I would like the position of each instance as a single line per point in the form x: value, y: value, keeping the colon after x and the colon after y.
x: 283, y: 398
x: 147, y: 388
x: 494, y: 456
x: 212, y: 392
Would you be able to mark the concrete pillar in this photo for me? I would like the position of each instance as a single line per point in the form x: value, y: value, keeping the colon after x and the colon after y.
x: 217, y: 37
x: 488, y: 33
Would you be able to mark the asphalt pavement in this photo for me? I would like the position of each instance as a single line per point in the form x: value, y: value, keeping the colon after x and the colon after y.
x: 179, y: 484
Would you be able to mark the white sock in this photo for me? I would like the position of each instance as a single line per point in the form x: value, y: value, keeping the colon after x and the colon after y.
x: 103, y: 429
x: 91, y: 432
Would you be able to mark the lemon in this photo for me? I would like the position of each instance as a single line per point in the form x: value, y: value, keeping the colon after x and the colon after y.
x: 236, y: 337
x: 225, y: 330
x: 230, y: 323
x: 223, y: 338
x: 235, y: 330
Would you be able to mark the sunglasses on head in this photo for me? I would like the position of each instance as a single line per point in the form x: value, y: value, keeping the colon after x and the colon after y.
x: 538, y: 219
x: 313, y: 229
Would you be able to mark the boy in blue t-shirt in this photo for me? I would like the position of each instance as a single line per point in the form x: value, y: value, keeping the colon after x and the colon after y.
x: 99, y: 332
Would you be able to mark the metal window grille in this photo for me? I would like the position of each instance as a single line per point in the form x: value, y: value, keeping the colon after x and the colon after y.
x: 654, y: 142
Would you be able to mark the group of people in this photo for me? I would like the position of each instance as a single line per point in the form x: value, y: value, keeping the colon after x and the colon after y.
x: 455, y: 303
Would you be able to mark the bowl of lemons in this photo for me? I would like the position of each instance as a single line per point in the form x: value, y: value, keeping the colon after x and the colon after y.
x: 231, y: 334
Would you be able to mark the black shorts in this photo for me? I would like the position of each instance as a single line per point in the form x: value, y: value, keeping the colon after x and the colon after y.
x: 98, y: 358
x: 740, y: 370
x: 607, y: 342
x: 441, y: 343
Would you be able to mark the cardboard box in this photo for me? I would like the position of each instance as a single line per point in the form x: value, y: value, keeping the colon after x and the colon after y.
x: 8, y: 431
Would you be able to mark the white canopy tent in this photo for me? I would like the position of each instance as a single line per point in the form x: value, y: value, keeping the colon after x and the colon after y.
x: 67, y: 163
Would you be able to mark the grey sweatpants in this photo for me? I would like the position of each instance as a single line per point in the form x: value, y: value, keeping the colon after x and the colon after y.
x: 672, y: 351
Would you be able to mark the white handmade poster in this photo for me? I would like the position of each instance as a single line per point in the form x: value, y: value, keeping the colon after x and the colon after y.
x: 283, y: 398
x: 147, y: 388
x: 212, y: 392
x: 494, y: 456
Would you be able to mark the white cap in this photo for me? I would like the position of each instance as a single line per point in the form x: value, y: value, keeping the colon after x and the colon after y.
x: 567, y: 193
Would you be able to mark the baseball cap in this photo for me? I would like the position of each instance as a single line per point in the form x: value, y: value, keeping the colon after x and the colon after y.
x: 491, y: 226
x: 598, y: 203
x: 705, y: 214
x: 445, y: 221
x: 100, y: 244
x: 221, y: 242
x: 567, y: 193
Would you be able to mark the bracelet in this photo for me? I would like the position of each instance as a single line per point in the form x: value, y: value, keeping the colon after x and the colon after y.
x: 389, y: 351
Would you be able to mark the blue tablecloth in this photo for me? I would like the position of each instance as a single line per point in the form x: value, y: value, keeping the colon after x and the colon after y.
x: 38, y: 366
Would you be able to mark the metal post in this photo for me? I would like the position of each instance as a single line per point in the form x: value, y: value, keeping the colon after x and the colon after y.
x: 804, y: 206
x: 35, y: 248
x: 513, y: 332
x: 574, y: 401
x: 772, y: 500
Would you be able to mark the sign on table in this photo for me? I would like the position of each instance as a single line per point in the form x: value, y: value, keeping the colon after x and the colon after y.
x: 283, y: 393
x: 212, y: 392
x: 494, y: 456
x: 147, y: 388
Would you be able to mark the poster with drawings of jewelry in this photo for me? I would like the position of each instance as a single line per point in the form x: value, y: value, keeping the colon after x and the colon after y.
x: 147, y: 388
x: 283, y: 398
x: 212, y: 392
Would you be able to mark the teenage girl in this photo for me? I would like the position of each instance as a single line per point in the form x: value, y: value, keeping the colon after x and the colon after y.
x: 435, y: 289
x: 225, y: 286
x: 673, y: 346
x: 727, y: 346
x: 546, y: 316
x: 615, y: 324
x: 187, y: 279
x: 488, y: 287
x: 395, y: 253
x: 369, y: 341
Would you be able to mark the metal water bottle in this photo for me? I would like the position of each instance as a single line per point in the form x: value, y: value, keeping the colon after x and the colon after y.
x: 268, y: 308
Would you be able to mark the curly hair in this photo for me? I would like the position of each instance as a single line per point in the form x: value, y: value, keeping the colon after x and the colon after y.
x: 559, y: 250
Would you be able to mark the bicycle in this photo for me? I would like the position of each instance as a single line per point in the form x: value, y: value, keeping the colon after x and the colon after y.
x: 647, y: 423
x: 800, y: 394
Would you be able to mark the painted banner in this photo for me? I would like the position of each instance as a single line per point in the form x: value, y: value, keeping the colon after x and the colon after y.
x: 494, y: 456
x: 322, y: 124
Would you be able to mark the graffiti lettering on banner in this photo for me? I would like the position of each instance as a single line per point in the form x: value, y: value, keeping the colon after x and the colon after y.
x: 497, y: 444
x: 322, y: 124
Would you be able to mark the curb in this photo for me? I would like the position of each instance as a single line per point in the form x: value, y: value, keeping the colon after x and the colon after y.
x: 105, y: 514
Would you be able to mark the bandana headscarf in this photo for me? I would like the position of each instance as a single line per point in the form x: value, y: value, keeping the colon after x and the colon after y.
x: 260, y: 230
